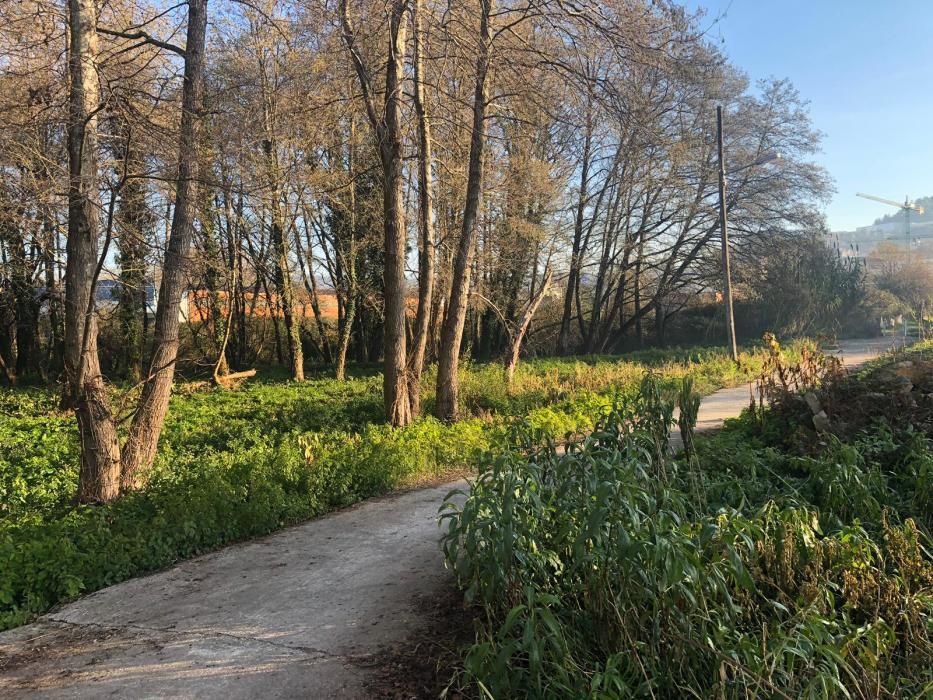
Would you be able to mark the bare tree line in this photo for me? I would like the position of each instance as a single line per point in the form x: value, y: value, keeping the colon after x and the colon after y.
x: 406, y: 182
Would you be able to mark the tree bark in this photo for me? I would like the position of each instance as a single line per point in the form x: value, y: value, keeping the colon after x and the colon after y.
x: 27, y: 312
x: 139, y: 451
x: 639, y: 332
x: 99, y: 475
x: 397, y: 405
x: 326, y: 354
x: 286, y: 293
x: 55, y: 357
x: 452, y: 331
x: 277, y: 236
x: 134, y: 220
x: 577, y: 252
x: 387, y: 126
x: 348, y: 262
x: 426, y: 252
x: 515, y: 346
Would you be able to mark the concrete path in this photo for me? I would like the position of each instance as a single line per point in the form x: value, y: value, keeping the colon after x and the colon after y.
x: 299, y: 614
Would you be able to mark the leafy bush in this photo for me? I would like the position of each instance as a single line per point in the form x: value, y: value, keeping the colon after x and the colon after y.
x: 38, y: 463
x: 614, y: 571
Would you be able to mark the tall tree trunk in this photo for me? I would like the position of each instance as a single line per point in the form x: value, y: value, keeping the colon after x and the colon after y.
x: 316, y: 308
x: 347, y: 260
x: 134, y: 222
x: 639, y: 331
x: 239, y: 356
x: 278, y: 238
x: 27, y: 312
x: 224, y: 307
x: 616, y: 305
x: 278, y: 229
x: 8, y: 376
x: 660, y: 324
x: 310, y: 282
x: 55, y: 357
x: 286, y: 294
x: 140, y: 448
x: 271, y: 310
x: 426, y: 252
x: 99, y: 476
x: 228, y: 259
x: 346, y: 332
x: 452, y: 332
x: 397, y: 405
x: 600, y: 290
x: 387, y: 126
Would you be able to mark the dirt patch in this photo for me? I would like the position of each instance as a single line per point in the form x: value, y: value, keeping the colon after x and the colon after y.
x: 426, y: 663
x: 899, y: 393
x: 54, y: 652
x: 48, y: 639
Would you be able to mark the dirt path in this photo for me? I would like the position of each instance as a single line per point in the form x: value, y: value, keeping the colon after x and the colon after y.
x: 303, y: 613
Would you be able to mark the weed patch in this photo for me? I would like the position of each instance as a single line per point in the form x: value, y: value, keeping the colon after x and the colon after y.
x: 748, y: 569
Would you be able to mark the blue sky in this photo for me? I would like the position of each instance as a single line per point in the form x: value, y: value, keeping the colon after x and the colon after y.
x: 865, y: 67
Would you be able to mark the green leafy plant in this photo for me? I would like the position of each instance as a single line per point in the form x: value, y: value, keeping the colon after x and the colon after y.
x: 790, y: 577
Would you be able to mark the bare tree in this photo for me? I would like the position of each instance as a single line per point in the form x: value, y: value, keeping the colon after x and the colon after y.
x: 105, y: 469
x: 348, y: 258
x: 452, y: 332
x: 426, y: 251
x: 139, y: 450
x: 525, y: 144
x: 99, y: 478
x: 386, y: 123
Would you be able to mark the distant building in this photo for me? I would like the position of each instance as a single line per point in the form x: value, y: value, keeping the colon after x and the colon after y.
x: 863, y: 241
x: 107, y: 297
x: 197, y: 304
x: 108, y: 290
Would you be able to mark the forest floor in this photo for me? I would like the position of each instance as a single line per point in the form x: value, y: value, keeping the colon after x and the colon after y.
x: 356, y: 604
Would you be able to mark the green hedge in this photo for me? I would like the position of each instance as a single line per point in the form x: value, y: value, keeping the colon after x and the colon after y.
x: 220, y: 498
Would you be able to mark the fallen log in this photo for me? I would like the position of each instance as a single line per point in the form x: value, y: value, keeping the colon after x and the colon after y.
x: 228, y: 381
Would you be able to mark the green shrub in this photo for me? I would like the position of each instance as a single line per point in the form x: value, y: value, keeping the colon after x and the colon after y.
x: 215, y: 499
x: 38, y: 463
x: 601, y: 573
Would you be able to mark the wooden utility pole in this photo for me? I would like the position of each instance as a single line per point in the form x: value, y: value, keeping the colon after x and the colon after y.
x: 724, y: 228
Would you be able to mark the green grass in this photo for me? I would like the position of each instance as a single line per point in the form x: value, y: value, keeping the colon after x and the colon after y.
x: 239, y: 464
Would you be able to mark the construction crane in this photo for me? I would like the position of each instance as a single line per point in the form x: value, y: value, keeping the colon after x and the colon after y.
x: 906, y: 207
